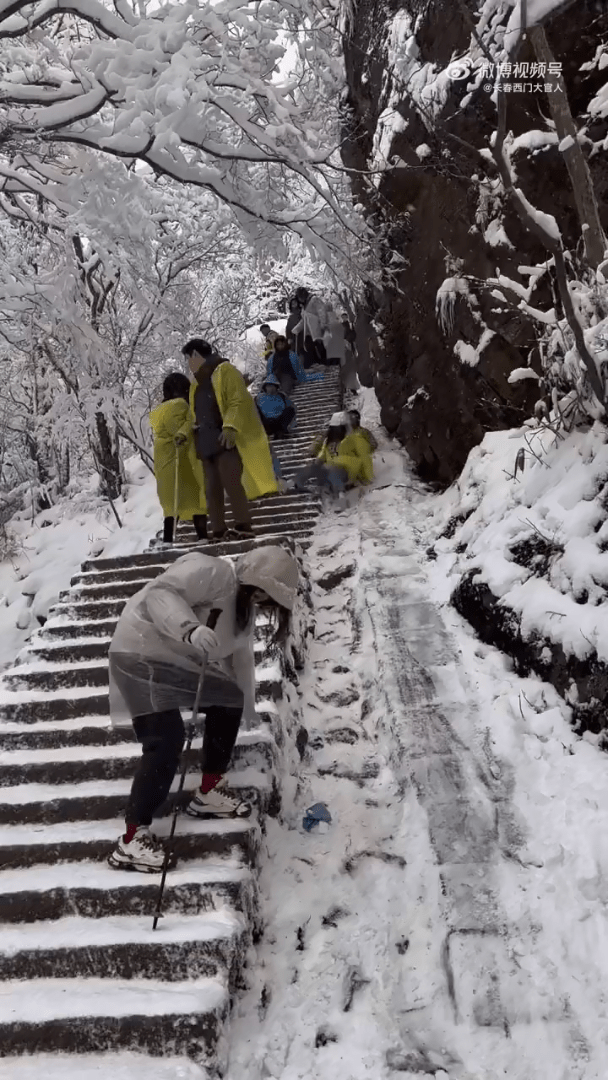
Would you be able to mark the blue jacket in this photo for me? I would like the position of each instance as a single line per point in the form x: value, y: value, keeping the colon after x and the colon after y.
x: 271, y: 405
x: 299, y: 374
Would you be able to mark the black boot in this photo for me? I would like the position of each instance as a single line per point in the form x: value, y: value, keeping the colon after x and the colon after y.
x: 200, y: 524
x: 168, y: 530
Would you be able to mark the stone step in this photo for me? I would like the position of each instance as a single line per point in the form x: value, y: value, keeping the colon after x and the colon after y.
x: 206, y: 946
x: 56, y: 628
x: 30, y: 708
x: 91, y: 674
x: 40, y: 709
x: 73, y: 646
x: 96, y: 800
x: 271, y: 520
x: 92, y: 841
x: 168, y: 555
x: 95, y: 890
x: 79, y: 732
x: 65, y: 1015
x: 78, y: 764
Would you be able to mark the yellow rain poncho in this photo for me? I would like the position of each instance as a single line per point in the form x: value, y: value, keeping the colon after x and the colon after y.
x: 354, y: 455
x: 238, y: 411
x: 168, y: 420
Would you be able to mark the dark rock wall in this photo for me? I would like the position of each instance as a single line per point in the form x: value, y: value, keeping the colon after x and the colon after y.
x: 428, y: 212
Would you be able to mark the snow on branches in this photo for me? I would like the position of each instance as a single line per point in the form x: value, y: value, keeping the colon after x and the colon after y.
x: 236, y: 99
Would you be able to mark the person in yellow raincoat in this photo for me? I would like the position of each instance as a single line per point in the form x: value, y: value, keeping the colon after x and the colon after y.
x: 171, y: 423
x: 229, y: 440
x: 341, y: 457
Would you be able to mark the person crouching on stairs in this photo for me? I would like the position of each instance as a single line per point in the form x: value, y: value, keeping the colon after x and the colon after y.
x: 172, y: 427
x: 277, y: 412
x: 159, y: 648
x: 341, y: 457
x: 229, y: 439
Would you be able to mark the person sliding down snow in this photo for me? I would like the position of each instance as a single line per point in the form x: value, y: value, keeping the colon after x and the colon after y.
x: 159, y: 646
x: 276, y: 411
x: 341, y: 457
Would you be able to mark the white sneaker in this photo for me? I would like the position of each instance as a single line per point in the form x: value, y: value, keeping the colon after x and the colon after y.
x: 144, y: 852
x: 217, y: 804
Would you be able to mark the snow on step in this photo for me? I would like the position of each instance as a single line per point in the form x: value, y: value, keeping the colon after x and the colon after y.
x: 121, y: 1066
x: 15, y: 727
x: 74, y: 932
x: 35, y: 1001
x: 103, y: 752
x: 20, y: 697
x: 95, y: 875
x: 107, y: 830
x: 40, y: 793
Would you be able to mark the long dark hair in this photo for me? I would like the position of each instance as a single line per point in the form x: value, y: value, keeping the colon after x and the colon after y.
x: 336, y: 434
x: 176, y: 385
x: 279, y: 616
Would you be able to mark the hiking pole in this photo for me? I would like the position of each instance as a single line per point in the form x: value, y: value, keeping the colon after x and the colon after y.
x: 214, y: 615
x: 176, y: 493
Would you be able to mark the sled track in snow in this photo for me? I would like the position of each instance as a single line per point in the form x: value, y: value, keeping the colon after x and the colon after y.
x: 81, y: 971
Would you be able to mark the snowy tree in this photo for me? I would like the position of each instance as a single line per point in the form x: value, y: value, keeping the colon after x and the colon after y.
x: 240, y: 101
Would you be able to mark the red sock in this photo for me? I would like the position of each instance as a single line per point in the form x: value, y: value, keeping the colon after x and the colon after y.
x: 209, y: 781
x: 130, y: 831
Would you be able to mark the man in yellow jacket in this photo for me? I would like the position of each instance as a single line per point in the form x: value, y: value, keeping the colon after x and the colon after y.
x: 229, y: 440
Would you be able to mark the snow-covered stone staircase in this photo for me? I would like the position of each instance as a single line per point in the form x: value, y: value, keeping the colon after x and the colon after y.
x: 81, y: 971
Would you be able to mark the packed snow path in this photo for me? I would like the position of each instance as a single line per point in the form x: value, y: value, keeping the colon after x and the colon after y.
x: 417, y: 937
x: 81, y: 971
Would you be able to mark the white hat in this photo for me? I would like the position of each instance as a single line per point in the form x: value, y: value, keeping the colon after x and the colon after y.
x: 339, y: 419
x: 272, y: 569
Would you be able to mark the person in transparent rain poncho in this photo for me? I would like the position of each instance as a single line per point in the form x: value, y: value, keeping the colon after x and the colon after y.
x: 159, y: 648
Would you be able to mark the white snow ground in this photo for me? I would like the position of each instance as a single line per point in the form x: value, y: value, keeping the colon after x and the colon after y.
x: 452, y: 922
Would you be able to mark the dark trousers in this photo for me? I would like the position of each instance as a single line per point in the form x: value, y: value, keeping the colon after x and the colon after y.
x: 287, y: 381
x: 223, y: 477
x: 200, y: 524
x: 333, y: 477
x: 277, y: 425
x: 161, y: 735
x: 309, y: 355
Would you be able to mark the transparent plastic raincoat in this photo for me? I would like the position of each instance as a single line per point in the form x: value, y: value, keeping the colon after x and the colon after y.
x: 153, y: 667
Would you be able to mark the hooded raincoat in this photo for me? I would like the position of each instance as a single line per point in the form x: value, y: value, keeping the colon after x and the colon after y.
x: 149, y: 652
x: 238, y: 411
x: 167, y: 420
x: 353, y: 454
x: 299, y: 374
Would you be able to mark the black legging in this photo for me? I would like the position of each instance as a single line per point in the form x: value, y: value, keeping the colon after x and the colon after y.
x: 162, y: 737
x: 277, y: 425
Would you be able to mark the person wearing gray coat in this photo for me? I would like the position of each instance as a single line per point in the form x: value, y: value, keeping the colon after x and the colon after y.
x: 160, y: 647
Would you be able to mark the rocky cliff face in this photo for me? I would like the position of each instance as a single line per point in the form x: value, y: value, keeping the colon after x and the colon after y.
x: 447, y: 340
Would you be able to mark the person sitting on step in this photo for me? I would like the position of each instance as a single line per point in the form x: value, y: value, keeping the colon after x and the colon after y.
x: 277, y: 412
x: 229, y: 439
x: 171, y: 424
x: 160, y: 647
x: 287, y: 369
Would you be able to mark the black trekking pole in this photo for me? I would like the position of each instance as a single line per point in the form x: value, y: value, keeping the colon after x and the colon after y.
x: 214, y: 615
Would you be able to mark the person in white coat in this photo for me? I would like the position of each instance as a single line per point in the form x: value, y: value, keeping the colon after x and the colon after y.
x: 313, y: 324
x: 334, y: 340
x: 157, y: 653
